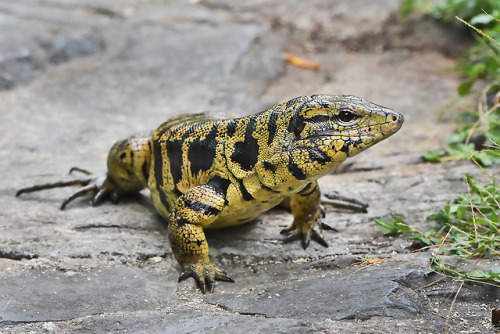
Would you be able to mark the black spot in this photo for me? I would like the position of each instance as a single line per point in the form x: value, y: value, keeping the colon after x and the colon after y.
x: 308, y: 190
x: 201, y: 153
x: 268, y: 166
x: 123, y: 155
x: 199, y: 242
x: 201, y: 207
x: 181, y: 222
x: 174, y: 153
x: 296, y: 123
x: 246, y: 152
x: 177, y: 192
x: 158, y: 172
x: 145, y: 170
x: 271, y: 127
x: 244, y: 192
x: 164, y: 201
x: 219, y: 185
x: 269, y: 189
x: 231, y: 128
x: 318, y: 156
x: 291, y: 124
x: 299, y: 127
x: 345, y: 148
x: 212, y: 211
x: 296, y: 171
x: 131, y: 157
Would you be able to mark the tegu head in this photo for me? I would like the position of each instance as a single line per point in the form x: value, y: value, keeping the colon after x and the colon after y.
x: 333, y: 128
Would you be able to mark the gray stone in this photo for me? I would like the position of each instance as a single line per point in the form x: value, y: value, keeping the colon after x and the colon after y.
x: 334, y: 294
x: 51, y: 295
x: 16, y: 66
x: 63, y: 48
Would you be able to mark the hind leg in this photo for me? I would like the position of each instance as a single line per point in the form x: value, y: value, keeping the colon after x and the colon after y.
x: 128, y: 170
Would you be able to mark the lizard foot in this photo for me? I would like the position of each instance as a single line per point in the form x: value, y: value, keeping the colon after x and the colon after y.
x: 306, y: 233
x: 336, y: 200
x: 205, y: 274
x: 98, y: 187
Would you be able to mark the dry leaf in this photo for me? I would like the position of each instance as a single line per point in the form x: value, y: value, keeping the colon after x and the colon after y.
x: 301, y: 62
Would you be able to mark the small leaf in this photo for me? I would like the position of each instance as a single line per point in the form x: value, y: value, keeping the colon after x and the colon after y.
x: 481, y: 19
x: 396, y: 227
x: 464, y: 87
x: 433, y: 156
x: 387, y: 227
x: 461, y: 211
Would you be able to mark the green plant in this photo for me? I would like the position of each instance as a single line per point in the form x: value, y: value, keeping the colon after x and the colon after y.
x: 477, y: 138
x: 467, y: 9
x: 468, y: 227
x: 480, y: 128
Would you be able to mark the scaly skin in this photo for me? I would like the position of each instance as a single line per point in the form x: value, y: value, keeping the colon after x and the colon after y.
x: 205, y: 171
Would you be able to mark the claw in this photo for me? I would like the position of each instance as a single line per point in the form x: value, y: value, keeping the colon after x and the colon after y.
x: 204, y: 275
x: 81, y: 170
x: 200, y: 280
x: 291, y: 235
x: 209, y: 284
x: 223, y: 277
x: 184, y: 275
x: 286, y: 230
x: 306, y: 235
x: 316, y: 236
x: 103, y: 187
x: 82, y: 192
x: 328, y: 227
x: 295, y: 235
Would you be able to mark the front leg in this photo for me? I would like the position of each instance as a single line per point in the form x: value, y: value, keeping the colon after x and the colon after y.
x: 307, y: 214
x: 194, y: 209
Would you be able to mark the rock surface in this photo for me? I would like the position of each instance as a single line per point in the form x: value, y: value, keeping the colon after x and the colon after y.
x: 77, y: 75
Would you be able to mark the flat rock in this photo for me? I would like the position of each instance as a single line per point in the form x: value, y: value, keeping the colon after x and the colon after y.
x: 51, y: 295
x: 332, y: 294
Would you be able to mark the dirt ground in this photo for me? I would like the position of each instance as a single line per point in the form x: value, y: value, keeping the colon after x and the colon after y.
x: 75, y: 76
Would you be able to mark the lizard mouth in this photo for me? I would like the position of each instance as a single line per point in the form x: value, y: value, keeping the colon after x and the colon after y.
x: 383, y: 130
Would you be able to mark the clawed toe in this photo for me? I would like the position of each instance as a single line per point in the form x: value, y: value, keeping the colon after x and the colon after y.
x: 328, y: 227
x: 334, y: 199
x: 305, y: 237
x: 204, y: 276
x: 98, y: 187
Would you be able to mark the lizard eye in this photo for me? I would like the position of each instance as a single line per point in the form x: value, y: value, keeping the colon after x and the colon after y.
x: 347, y: 116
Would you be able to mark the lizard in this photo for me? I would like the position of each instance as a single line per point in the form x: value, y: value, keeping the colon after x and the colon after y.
x: 208, y: 171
